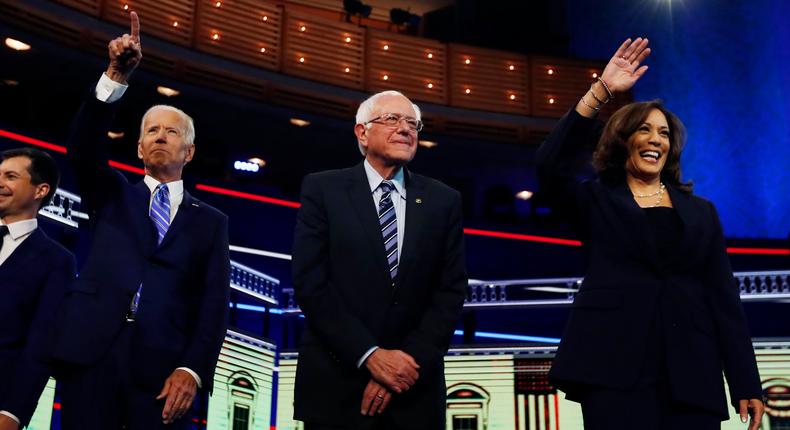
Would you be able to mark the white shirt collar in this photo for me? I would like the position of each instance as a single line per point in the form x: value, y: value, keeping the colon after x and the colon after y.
x: 21, y: 228
x: 374, y: 179
x: 176, y: 188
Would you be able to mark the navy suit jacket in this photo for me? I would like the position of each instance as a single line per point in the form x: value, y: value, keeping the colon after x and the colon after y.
x: 33, y: 281
x: 605, y: 340
x: 182, y: 317
x: 342, y: 284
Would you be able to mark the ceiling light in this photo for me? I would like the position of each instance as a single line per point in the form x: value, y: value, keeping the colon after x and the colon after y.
x: 428, y: 143
x: 524, y: 195
x: 16, y: 45
x: 115, y: 134
x: 300, y: 122
x: 167, y: 92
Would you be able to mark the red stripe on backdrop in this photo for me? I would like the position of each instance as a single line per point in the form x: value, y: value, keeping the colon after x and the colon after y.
x: 292, y: 204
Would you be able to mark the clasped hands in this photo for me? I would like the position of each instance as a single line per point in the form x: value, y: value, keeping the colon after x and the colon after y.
x: 392, y: 371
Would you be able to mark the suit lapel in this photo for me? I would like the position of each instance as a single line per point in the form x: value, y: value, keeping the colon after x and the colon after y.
x: 415, y: 217
x: 23, y: 253
x: 685, y: 209
x: 185, y: 213
x: 362, y: 201
x: 146, y: 232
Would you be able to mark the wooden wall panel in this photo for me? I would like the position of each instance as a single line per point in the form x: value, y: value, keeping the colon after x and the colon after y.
x: 247, y: 31
x: 490, y: 80
x: 558, y: 84
x: 91, y: 7
x: 402, y: 63
x: 171, y: 20
x: 323, y: 50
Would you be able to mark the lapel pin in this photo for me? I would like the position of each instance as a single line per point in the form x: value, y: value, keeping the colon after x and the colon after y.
x: 418, y: 201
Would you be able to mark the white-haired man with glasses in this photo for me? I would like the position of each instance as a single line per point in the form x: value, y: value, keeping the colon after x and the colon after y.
x: 379, y: 273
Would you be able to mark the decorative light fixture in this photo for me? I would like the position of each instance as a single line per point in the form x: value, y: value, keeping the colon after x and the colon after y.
x: 468, y: 90
x: 115, y: 134
x: 348, y: 39
x: 430, y: 55
x: 259, y: 161
x: 428, y: 143
x: 512, y: 97
x: 386, y: 47
x: 218, y: 4
x: 299, y: 122
x: 265, y: 18
x: 263, y: 50
x: 126, y: 7
x: 175, y: 23
x: 301, y: 59
x: 167, y: 91
x: 303, y: 28
x: 16, y: 45
x: 467, y: 61
x: 215, y: 36
x: 385, y: 77
x: 550, y: 71
x: 430, y: 85
x: 511, y: 67
x: 524, y: 195
x: 594, y: 75
x: 551, y: 101
x: 246, y: 166
x: 347, y: 70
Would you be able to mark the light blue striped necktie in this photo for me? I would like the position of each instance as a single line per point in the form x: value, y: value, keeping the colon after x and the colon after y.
x: 160, y: 211
x: 388, y: 221
x: 160, y: 215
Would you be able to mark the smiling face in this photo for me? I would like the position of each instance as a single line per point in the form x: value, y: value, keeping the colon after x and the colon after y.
x: 389, y: 145
x: 19, y: 197
x: 163, y: 147
x: 648, y: 147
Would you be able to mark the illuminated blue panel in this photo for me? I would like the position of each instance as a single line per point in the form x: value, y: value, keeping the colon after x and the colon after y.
x: 723, y: 68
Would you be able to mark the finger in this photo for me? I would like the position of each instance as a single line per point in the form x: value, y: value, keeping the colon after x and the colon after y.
x: 742, y: 410
x: 631, y: 48
x: 640, y: 71
x: 385, y: 402
x: 126, y: 41
x: 167, y: 412
x: 641, y: 57
x: 135, y: 26
x: 367, y: 399
x: 621, y: 50
x: 411, y: 361
x: 165, y: 391
x: 638, y: 50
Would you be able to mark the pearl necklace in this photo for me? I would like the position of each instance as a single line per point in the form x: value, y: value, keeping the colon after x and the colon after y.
x: 659, y: 193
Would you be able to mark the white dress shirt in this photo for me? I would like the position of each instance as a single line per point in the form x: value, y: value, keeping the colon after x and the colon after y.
x: 398, y: 196
x: 17, y: 233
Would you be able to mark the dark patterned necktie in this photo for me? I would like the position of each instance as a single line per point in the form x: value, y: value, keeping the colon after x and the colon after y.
x: 388, y: 222
x: 3, y: 232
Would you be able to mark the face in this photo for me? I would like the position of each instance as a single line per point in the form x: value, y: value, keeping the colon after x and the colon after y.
x: 648, y: 147
x: 390, y: 145
x: 162, y: 147
x: 19, y: 198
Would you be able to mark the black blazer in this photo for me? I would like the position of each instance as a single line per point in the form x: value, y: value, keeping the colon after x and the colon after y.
x: 604, y: 343
x: 343, y: 287
x: 183, y: 310
x: 32, y: 283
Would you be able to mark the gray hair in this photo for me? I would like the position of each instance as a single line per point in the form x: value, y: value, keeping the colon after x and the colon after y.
x: 189, y: 132
x: 368, y: 107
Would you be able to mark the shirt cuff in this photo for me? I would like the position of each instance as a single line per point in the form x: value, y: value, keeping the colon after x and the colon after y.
x: 194, y: 375
x: 109, y: 91
x: 365, y: 357
x: 10, y: 415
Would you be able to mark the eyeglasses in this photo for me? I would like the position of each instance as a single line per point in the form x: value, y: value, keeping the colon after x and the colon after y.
x: 394, y: 119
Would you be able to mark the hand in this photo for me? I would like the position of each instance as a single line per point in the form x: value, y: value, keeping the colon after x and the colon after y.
x: 125, y: 53
x: 6, y: 423
x: 622, y: 71
x: 179, y: 390
x: 754, y: 408
x: 375, y: 398
x: 393, y: 368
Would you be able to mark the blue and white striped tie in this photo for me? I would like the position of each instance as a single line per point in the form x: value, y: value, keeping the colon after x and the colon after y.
x: 160, y: 211
x: 160, y: 215
x: 389, y: 227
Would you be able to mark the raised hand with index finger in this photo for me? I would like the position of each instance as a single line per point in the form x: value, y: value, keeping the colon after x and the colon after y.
x: 125, y: 52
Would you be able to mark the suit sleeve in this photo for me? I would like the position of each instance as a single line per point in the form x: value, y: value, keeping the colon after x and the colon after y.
x: 563, y: 160
x: 87, y: 152
x: 428, y: 343
x: 203, y: 351
x: 33, y: 370
x: 347, y: 337
x: 740, y: 366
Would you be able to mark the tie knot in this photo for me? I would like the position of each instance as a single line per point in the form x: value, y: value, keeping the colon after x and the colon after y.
x: 3, y: 231
x: 387, y: 186
x: 162, y: 191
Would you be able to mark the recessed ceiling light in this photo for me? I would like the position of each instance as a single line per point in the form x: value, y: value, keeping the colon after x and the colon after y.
x: 428, y: 143
x: 300, y: 122
x: 167, y: 91
x: 16, y: 45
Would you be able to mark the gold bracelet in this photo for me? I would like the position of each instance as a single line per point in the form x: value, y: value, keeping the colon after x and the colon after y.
x: 596, y: 109
x: 606, y: 87
x: 597, y: 99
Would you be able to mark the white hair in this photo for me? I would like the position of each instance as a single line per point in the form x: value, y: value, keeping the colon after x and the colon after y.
x: 189, y: 131
x: 368, y: 107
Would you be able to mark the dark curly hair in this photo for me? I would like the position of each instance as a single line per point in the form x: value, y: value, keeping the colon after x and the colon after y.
x: 612, y: 151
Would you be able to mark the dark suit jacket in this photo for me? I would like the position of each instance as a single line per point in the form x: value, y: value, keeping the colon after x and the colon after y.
x: 32, y: 283
x: 343, y: 287
x: 183, y: 310
x: 604, y: 344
